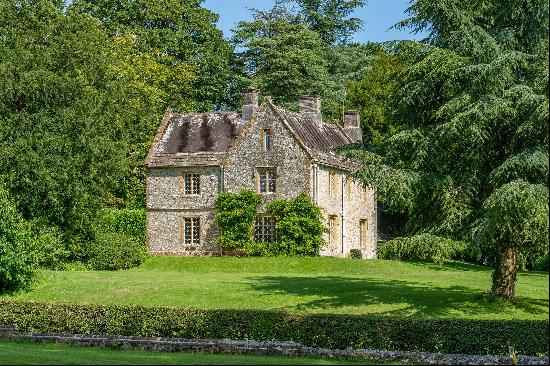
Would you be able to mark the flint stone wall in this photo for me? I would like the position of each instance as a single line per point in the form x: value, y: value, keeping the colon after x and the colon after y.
x: 167, y: 203
x: 291, y: 161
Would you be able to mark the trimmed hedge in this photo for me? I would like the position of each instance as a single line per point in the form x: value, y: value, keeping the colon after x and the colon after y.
x: 528, y: 337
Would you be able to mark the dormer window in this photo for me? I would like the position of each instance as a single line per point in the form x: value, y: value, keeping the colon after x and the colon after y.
x: 266, y: 139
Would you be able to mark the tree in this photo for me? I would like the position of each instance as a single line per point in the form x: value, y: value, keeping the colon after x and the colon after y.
x: 371, y: 94
x: 18, y: 259
x: 473, y: 106
x: 329, y: 18
x: 61, y: 148
x: 282, y: 56
x: 177, y: 33
x: 514, y: 221
x: 171, y: 54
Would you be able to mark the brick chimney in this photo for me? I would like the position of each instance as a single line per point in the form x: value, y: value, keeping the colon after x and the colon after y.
x: 310, y: 105
x: 250, y: 102
x: 352, y: 126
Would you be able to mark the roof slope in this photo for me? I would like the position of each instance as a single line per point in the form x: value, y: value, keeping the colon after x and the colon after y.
x: 204, y: 138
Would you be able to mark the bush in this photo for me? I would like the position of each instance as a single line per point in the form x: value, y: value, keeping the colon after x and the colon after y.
x: 112, y: 251
x: 236, y: 213
x: 424, y: 247
x: 18, y: 252
x: 53, y: 251
x: 541, y: 264
x: 123, y: 221
x: 356, y: 254
x: 299, y: 226
x: 335, y: 331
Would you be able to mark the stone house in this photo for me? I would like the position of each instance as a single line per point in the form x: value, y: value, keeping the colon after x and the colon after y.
x: 273, y: 151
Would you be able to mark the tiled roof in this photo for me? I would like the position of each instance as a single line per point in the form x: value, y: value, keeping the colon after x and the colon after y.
x: 200, y: 133
x: 204, y: 138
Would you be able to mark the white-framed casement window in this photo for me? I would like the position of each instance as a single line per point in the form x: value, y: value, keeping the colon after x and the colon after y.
x: 332, y: 228
x: 190, y: 183
x: 267, y: 180
x: 266, y: 139
x: 264, y: 229
x: 333, y: 184
x: 363, y: 232
x: 190, y: 230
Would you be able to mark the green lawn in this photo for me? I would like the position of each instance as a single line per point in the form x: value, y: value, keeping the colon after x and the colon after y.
x: 26, y: 353
x: 327, y: 285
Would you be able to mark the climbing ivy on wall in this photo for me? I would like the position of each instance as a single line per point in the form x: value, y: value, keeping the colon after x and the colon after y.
x: 298, y: 223
x: 236, y: 213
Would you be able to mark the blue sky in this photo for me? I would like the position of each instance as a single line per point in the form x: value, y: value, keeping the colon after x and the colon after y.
x: 378, y: 15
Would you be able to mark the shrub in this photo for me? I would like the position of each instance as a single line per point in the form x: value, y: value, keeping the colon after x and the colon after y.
x: 262, y: 249
x: 123, y: 221
x: 541, y: 264
x: 424, y: 247
x: 299, y: 226
x: 18, y: 253
x: 336, y: 331
x: 236, y: 213
x: 112, y: 251
x: 356, y: 254
x: 53, y: 250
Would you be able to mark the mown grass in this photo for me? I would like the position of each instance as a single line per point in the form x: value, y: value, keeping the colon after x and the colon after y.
x: 327, y: 285
x: 27, y: 353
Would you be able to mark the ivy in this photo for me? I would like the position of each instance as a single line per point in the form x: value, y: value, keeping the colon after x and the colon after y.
x: 236, y: 213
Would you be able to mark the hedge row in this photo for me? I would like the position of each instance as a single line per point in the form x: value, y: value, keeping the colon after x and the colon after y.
x: 334, y: 331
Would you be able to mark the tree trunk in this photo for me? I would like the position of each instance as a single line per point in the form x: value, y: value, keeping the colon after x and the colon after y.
x: 504, y: 276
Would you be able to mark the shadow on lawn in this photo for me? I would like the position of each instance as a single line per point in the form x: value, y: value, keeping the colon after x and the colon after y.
x: 419, y: 300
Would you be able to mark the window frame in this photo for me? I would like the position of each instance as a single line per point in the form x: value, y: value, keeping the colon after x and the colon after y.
x: 332, y: 232
x: 195, y: 223
x: 333, y: 183
x: 267, y: 132
x: 194, y: 181
x: 267, y: 230
x: 363, y: 232
x: 264, y: 172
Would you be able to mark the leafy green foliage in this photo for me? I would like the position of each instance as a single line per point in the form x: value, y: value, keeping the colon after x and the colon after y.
x: 113, y: 251
x: 283, y: 57
x: 515, y: 216
x: 329, y: 18
x: 235, y: 214
x: 61, y: 152
x: 469, y: 108
x: 180, y: 34
x: 333, y: 331
x: 356, y: 254
x: 124, y: 221
x: 424, y: 247
x: 52, y: 247
x: 299, y: 226
x: 18, y: 254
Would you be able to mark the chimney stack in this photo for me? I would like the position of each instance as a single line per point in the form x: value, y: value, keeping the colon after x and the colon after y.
x: 250, y: 102
x: 310, y: 105
x: 352, y: 126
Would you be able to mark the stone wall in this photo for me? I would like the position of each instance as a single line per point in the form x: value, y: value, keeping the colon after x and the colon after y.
x: 354, y: 203
x: 291, y: 161
x: 167, y: 203
x: 265, y: 348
